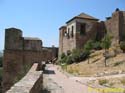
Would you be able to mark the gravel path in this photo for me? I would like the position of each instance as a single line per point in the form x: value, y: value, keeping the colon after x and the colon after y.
x: 56, y: 82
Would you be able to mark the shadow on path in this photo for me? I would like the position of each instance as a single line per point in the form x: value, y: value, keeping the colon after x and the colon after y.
x: 49, y: 72
x: 45, y: 91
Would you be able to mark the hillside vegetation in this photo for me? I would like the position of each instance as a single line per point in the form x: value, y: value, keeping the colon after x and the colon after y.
x: 96, y: 58
x: 96, y: 67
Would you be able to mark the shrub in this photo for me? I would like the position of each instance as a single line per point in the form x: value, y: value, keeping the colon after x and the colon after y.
x: 84, y: 55
x: 63, y: 60
x: 63, y: 55
x: 89, y: 45
x: 69, y: 60
x: 66, y: 60
x: 75, y: 55
x: 122, y: 45
x: 106, y: 42
x: 68, y: 52
x: 118, y: 63
x: 103, y: 81
x: 97, y: 45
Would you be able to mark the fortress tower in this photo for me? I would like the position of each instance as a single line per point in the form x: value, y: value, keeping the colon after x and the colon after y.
x: 13, y: 39
x: 20, y: 53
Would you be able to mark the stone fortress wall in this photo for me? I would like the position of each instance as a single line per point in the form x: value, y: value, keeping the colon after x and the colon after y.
x: 20, y: 53
x: 71, y: 37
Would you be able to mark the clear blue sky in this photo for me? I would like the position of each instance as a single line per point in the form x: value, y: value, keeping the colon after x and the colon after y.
x: 42, y: 18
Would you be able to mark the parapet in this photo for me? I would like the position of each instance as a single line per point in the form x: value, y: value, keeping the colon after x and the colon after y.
x: 31, y: 83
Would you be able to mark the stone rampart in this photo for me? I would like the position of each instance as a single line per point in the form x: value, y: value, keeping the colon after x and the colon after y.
x: 31, y: 83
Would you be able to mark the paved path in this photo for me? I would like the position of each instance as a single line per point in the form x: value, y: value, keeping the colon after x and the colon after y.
x: 59, y: 83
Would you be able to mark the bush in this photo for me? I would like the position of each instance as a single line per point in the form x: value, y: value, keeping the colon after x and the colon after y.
x: 84, y: 55
x: 63, y: 60
x: 75, y: 55
x: 97, y: 45
x: 68, y: 52
x: 63, y: 55
x: 89, y: 45
x: 122, y: 45
x: 69, y: 60
x: 106, y: 42
x: 102, y: 82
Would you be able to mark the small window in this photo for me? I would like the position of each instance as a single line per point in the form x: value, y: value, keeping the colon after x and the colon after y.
x: 72, y: 32
x: 68, y: 33
x: 82, y: 29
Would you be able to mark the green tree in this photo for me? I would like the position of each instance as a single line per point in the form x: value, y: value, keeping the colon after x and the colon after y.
x: 97, y: 45
x: 69, y: 60
x: 106, y: 43
x: 88, y: 47
x: 75, y: 55
x: 63, y: 58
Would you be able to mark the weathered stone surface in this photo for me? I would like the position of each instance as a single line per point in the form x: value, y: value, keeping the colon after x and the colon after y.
x: 31, y: 83
x: 20, y: 53
x: 114, y: 26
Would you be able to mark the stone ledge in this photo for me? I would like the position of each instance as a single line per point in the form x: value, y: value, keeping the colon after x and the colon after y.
x: 31, y: 83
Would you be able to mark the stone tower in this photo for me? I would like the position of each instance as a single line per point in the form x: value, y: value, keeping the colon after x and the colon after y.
x: 13, y: 39
x: 13, y: 57
x: 62, y: 31
x: 115, y: 26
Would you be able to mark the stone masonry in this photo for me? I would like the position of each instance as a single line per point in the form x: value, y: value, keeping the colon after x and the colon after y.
x: 83, y: 27
x: 20, y: 53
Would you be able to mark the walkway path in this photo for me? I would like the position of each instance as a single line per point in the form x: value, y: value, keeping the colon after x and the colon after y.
x: 57, y: 82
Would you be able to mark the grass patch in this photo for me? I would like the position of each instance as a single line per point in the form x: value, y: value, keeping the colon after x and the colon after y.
x: 118, y: 63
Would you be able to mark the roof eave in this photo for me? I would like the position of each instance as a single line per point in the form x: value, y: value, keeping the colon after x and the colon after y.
x: 80, y: 18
